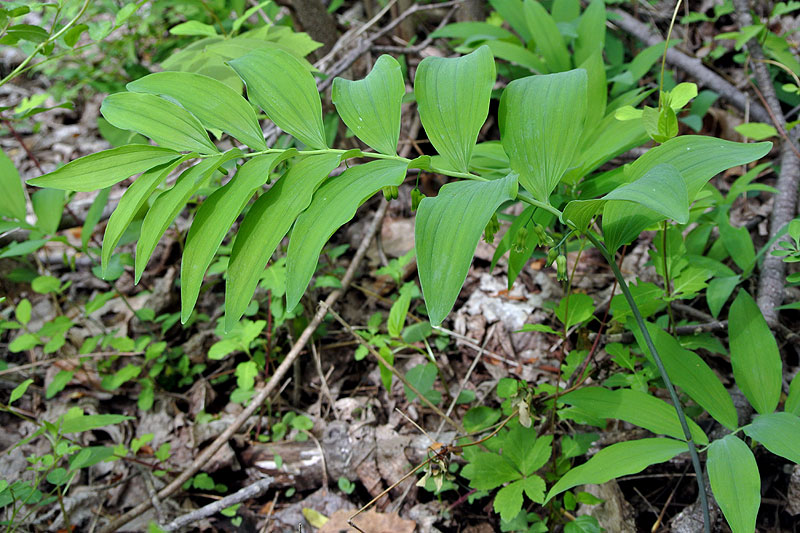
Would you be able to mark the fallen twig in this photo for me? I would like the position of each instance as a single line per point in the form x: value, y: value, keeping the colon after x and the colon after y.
x: 251, y: 491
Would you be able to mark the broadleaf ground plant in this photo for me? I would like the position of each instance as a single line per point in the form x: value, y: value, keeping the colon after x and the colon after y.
x: 557, y: 128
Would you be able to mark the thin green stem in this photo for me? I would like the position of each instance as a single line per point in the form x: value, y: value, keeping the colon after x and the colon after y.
x: 664, y: 56
x: 41, y: 45
x: 667, y: 281
x: 663, y: 371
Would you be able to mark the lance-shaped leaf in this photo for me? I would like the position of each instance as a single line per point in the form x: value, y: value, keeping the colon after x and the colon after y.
x: 131, y: 202
x: 689, y: 372
x: 170, y: 202
x: 103, y: 169
x: 168, y: 124
x: 755, y: 358
x: 334, y: 204
x: 448, y: 228
x: 12, y: 201
x: 212, y: 222
x: 735, y: 482
x: 635, y: 407
x: 453, y: 101
x: 216, y: 105
x: 280, y: 85
x: 662, y: 190
x: 548, y: 39
x: 371, y: 107
x: 698, y: 158
x: 541, y: 121
x: 265, y: 225
x: 591, y: 31
x: 617, y: 460
x: 778, y: 432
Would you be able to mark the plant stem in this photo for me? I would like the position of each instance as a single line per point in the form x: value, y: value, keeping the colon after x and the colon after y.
x: 663, y: 371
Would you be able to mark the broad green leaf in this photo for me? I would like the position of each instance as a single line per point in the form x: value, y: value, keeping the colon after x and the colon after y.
x: 12, y: 201
x: 574, y: 309
x: 168, y: 124
x: 193, y: 27
x: 596, y: 93
x: 103, y: 169
x: 453, y: 101
x: 548, y: 39
x: 623, y: 221
x: 170, y: 202
x: 265, y: 225
x: 778, y: 432
x: 735, y: 482
x: 280, y: 84
x: 756, y: 130
x: 698, y: 158
x: 131, y: 202
x: 755, y: 358
x: 448, y: 228
x: 48, y: 204
x: 486, y: 471
x: 738, y: 243
x: 688, y: 371
x: 81, y: 422
x: 662, y: 190
x: 525, y: 450
x: 371, y: 107
x: 792, y: 404
x: 591, y: 31
x: 471, y: 30
x: 215, y: 105
x: 541, y: 120
x: 617, y: 460
x: 633, y: 406
x: 718, y: 292
x: 508, y: 500
x: 212, y: 222
x: 23, y: 311
x: 512, y: 12
x: 334, y: 204
x: 19, y: 391
x: 517, y: 54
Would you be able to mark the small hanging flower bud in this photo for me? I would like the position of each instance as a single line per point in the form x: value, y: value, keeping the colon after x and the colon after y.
x: 540, y: 232
x: 520, y: 239
x: 416, y: 198
x: 551, y: 256
x: 390, y: 193
x: 491, y: 229
x: 561, y: 267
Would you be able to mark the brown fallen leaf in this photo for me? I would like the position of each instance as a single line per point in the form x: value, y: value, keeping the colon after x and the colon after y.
x: 371, y: 522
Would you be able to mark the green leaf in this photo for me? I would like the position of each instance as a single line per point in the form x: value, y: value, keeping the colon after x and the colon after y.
x: 618, y: 460
x: 422, y: 377
x: 334, y: 204
x: 193, y: 27
x: 511, y: 11
x: 12, y: 201
x: 738, y: 243
x: 778, y: 432
x: 718, y: 292
x: 541, y: 121
x: 265, y: 225
x: 525, y: 450
x: 688, y: 371
x: 215, y: 105
x: 698, y: 158
x: 733, y: 473
x: 212, y: 222
x: 19, y: 391
x: 280, y: 84
x: 661, y: 190
x: 486, y: 471
x: 170, y: 202
x: 635, y: 407
x: 755, y: 358
x: 757, y: 131
x: 591, y: 31
x: 480, y: 417
x: 26, y: 341
x: 453, y: 101
x: 23, y: 311
x: 80, y: 423
x: 549, y: 41
x: 517, y: 54
x: 792, y: 404
x: 397, y: 314
x: 371, y: 107
x: 132, y: 201
x: 93, y: 216
x: 574, y: 309
x: 448, y: 228
x: 168, y: 124
x: 103, y: 169
x: 508, y: 500
x: 246, y: 373
x: 122, y: 376
x: 48, y: 205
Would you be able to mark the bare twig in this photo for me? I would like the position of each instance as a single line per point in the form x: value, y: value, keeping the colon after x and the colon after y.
x: 263, y: 394
x: 251, y: 491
